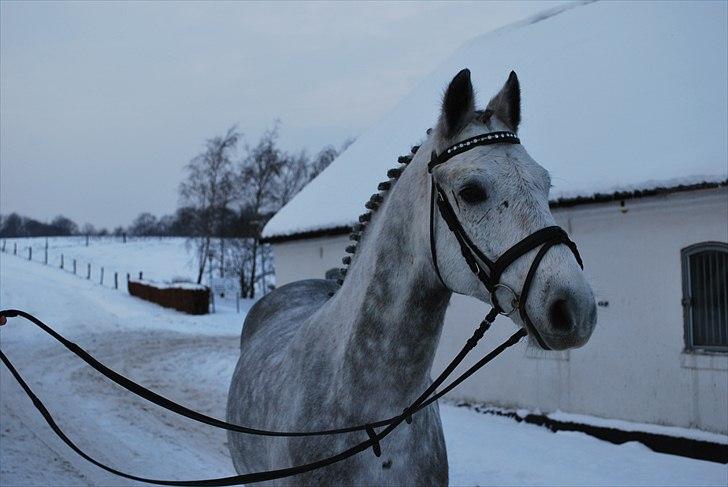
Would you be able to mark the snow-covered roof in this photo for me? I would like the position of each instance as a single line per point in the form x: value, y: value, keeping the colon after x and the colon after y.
x: 615, y: 96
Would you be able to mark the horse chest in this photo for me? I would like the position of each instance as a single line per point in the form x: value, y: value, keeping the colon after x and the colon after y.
x: 413, y: 455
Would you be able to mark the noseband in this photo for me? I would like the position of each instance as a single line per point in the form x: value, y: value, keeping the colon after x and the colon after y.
x: 488, y: 271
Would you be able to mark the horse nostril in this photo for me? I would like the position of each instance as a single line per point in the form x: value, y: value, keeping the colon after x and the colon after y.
x: 560, y: 316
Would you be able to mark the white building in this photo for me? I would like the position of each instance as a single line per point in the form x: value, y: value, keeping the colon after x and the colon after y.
x: 626, y: 106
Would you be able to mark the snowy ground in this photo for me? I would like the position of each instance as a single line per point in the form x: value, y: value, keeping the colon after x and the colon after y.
x: 159, y: 258
x: 190, y: 359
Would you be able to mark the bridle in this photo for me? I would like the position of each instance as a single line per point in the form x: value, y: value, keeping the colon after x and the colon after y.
x: 488, y: 271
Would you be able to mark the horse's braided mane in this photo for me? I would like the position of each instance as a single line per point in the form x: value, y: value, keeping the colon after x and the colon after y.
x: 372, y: 206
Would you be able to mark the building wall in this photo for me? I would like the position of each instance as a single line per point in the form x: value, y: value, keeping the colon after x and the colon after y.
x: 635, y: 366
x: 309, y: 258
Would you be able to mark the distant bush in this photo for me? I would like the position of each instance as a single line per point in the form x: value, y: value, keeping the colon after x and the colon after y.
x: 14, y: 225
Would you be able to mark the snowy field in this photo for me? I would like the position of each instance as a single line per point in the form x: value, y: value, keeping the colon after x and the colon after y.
x: 159, y: 258
x: 190, y: 359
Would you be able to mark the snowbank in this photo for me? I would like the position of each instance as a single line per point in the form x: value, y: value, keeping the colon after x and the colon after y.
x: 158, y: 258
x: 190, y: 286
x: 619, y: 424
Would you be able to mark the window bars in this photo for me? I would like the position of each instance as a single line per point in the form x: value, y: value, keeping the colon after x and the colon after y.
x: 705, y: 296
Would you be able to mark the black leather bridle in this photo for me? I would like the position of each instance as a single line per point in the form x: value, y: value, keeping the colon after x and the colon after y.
x: 488, y: 271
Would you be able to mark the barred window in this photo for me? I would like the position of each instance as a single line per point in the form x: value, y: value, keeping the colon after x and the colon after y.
x: 705, y: 296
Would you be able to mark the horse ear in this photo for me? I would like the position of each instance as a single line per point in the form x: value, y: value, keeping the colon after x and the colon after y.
x: 506, y: 105
x: 458, y: 105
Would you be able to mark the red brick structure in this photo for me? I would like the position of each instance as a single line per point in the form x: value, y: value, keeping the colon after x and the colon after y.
x: 183, y: 297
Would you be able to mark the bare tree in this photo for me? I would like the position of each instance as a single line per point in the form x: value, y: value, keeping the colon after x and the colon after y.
x: 88, y: 229
x: 209, y: 190
x: 270, y: 178
x: 259, y: 173
x: 144, y: 225
x: 293, y: 173
x: 263, y: 180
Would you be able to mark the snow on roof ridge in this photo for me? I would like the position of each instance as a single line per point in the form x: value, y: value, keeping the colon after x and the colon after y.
x: 648, y: 185
x: 530, y: 20
x: 579, y: 78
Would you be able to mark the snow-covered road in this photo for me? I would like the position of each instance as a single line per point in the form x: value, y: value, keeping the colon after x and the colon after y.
x: 190, y: 360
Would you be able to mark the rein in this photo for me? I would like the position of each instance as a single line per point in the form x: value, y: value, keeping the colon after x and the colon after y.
x: 476, y: 259
x: 477, y: 262
x: 427, y: 397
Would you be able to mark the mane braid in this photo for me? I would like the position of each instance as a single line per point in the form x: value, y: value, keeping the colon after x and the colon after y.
x: 372, y: 206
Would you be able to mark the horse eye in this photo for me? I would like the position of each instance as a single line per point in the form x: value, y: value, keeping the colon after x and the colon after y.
x: 473, y: 193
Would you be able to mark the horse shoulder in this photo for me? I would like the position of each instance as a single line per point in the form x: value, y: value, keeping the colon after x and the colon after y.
x: 287, y: 307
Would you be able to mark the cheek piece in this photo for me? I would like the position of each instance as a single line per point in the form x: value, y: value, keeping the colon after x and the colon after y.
x: 489, y: 271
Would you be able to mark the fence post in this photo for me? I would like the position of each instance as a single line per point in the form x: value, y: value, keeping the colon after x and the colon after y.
x: 74, y: 266
x: 61, y: 261
x: 30, y: 253
x: 88, y: 271
x: 116, y: 280
x: 15, y: 248
x: 45, y: 258
x: 140, y: 275
x: 101, y: 281
x: 87, y: 240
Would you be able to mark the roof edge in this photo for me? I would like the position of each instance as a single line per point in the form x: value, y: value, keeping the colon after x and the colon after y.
x: 309, y: 234
x: 558, y: 203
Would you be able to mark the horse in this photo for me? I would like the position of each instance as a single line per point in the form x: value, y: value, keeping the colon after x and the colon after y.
x: 318, y: 354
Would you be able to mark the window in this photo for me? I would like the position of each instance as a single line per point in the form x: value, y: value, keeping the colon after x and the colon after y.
x: 705, y: 296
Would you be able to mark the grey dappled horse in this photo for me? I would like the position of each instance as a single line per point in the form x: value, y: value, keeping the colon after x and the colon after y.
x: 309, y: 361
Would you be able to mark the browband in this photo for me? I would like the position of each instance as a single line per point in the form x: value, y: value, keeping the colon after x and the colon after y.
x: 504, y: 136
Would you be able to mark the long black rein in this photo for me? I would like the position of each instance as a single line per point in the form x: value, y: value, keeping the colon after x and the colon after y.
x: 425, y: 399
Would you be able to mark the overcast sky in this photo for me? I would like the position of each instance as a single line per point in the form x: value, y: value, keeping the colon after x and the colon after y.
x: 102, y: 104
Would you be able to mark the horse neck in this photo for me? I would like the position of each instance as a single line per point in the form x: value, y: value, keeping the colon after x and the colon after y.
x: 392, y: 293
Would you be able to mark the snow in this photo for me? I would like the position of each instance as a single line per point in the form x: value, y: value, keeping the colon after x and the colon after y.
x: 190, y: 359
x: 619, y: 424
x: 492, y: 450
x: 171, y: 285
x: 615, y: 95
x: 158, y: 258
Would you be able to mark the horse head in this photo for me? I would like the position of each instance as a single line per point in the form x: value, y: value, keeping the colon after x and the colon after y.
x: 499, y: 196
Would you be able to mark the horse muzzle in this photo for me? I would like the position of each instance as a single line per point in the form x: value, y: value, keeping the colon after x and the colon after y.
x: 569, y: 319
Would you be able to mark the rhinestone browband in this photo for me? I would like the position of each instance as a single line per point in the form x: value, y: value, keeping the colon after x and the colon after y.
x: 467, y: 144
